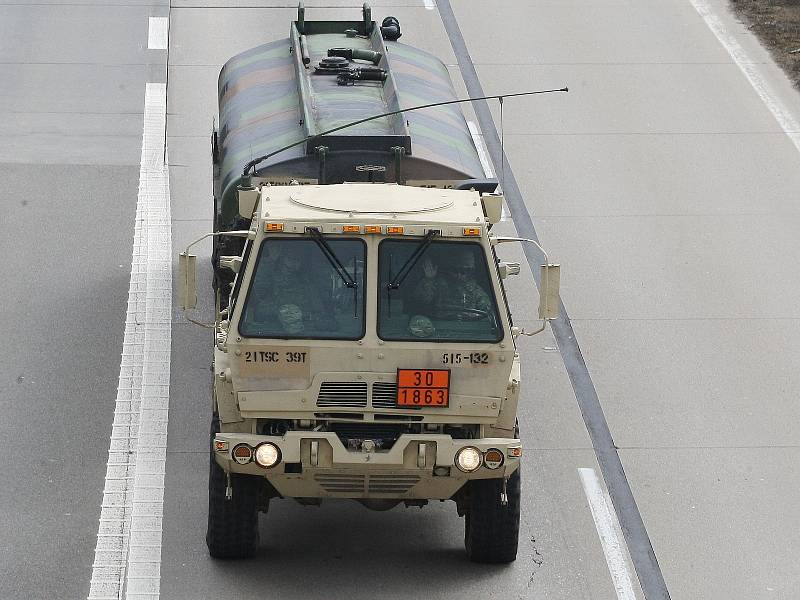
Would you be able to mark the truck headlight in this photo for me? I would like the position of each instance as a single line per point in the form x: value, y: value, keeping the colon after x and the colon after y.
x: 468, y: 459
x: 268, y: 455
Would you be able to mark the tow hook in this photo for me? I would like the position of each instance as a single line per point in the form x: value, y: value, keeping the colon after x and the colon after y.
x: 504, y: 492
x: 228, y: 488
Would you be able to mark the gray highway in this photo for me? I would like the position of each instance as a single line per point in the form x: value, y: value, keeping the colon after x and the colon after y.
x: 665, y: 183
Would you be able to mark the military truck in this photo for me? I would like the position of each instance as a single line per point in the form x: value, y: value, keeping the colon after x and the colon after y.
x: 365, y: 348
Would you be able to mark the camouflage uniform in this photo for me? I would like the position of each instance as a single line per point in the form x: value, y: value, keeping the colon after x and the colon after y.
x: 288, y: 297
x: 437, y: 292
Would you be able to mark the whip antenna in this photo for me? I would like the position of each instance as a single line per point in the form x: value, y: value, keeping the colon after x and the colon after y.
x: 253, y: 163
x: 502, y: 147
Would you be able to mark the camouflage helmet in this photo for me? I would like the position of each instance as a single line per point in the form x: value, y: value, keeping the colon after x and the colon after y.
x: 291, y: 318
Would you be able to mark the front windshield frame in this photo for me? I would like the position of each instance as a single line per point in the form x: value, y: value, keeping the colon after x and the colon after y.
x: 360, y: 277
x: 437, y: 242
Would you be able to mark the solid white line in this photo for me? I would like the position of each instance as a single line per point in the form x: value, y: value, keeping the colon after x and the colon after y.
x: 778, y: 109
x: 477, y: 139
x: 605, y: 522
x: 128, y: 551
x: 429, y: 4
x: 158, y: 33
x: 483, y: 156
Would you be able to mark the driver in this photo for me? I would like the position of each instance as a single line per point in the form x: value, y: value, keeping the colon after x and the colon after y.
x: 454, y: 289
x: 291, y: 298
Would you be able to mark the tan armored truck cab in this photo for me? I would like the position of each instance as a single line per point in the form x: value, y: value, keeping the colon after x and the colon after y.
x: 367, y: 352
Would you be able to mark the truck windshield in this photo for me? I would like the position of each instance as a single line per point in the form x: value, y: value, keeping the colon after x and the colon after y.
x: 447, y: 295
x: 296, y: 292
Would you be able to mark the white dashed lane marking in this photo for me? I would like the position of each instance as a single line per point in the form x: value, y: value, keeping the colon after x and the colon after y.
x: 158, y: 33
x: 606, y: 524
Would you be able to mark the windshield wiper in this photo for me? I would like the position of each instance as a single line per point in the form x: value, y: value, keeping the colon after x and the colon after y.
x: 337, y: 265
x: 412, y: 260
x: 328, y: 252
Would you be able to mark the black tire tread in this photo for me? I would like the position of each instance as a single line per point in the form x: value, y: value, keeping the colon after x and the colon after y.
x: 491, y: 529
x: 232, y: 524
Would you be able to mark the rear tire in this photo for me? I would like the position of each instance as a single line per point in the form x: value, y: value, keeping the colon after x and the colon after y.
x: 491, y: 530
x: 232, y: 524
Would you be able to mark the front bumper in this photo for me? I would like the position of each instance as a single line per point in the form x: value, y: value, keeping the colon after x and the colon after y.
x: 317, y: 465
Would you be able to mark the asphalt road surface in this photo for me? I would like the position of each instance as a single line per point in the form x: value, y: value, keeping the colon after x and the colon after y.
x: 664, y: 182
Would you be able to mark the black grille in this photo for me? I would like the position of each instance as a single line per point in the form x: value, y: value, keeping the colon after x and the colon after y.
x: 391, y: 484
x: 343, y: 393
x: 384, y: 395
x: 340, y: 483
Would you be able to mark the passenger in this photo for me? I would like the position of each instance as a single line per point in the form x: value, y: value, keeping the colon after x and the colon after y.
x: 455, y: 289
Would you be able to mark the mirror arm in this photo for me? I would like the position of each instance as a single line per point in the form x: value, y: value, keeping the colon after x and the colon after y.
x: 494, y: 241
x: 528, y: 333
x: 241, y: 233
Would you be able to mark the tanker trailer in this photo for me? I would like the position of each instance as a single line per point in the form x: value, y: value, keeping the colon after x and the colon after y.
x: 324, y: 75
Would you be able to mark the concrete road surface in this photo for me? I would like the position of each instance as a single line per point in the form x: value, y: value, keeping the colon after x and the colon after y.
x: 665, y: 184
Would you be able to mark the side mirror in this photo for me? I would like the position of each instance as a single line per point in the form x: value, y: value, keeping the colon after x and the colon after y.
x: 549, y: 299
x: 248, y: 198
x: 492, y: 207
x: 187, y: 283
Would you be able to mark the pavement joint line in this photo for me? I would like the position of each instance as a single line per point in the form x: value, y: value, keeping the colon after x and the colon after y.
x: 145, y: 362
x: 645, y: 133
x: 288, y: 7
x: 682, y: 320
x: 640, y: 548
x: 783, y: 116
x: 721, y: 215
x: 607, y: 525
x: 609, y: 64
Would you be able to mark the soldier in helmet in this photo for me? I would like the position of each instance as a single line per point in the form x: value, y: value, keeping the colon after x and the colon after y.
x: 454, y: 289
x: 290, y: 299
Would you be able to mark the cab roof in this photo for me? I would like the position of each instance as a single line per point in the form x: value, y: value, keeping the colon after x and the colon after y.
x: 371, y: 203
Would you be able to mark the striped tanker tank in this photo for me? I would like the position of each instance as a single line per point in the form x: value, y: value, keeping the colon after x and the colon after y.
x: 327, y: 74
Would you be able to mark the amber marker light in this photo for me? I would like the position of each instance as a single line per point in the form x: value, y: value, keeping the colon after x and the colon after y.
x: 220, y: 445
x: 372, y: 229
x: 394, y: 230
x: 472, y: 230
x: 515, y: 452
x: 242, y: 454
x: 273, y: 226
x: 493, y: 458
x: 351, y: 229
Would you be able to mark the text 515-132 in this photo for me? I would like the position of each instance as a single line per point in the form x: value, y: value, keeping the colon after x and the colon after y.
x: 465, y: 358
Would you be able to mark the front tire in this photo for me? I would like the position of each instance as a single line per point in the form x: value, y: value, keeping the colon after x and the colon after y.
x: 491, y: 531
x: 232, y: 523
